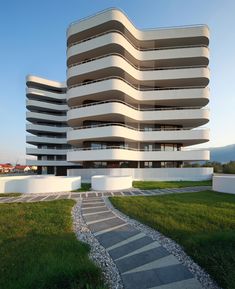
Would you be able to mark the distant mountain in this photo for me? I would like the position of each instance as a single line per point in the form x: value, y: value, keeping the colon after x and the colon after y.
x: 223, y: 154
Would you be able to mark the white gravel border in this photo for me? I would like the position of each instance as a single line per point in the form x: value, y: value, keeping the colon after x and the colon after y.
x: 98, y: 254
x: 171, y: 246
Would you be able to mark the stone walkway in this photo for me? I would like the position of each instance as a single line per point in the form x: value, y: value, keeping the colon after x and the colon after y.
x: 141, y: 261
x: 74, y: 195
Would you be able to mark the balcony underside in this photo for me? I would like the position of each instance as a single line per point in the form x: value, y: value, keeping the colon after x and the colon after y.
x: 114, y: 19
x: 38, y: 152
x: 45, y: 106
x: 118, y: 89
x: 35, y: 128
x: 118, y: 112
x: 114, y: 42
x: 119, y: 133
x: 35, y: 140
x: 48, y: 163
x: 45, y: 117
x: 117, y: 66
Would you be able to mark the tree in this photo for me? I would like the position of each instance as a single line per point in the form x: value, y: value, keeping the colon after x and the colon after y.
x: 229, y: 168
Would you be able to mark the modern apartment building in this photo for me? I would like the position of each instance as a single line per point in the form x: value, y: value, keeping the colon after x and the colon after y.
x: 135, y: 99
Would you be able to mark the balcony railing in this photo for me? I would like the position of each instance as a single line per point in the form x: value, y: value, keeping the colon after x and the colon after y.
x: 136, y: 47
x: 134, y: 107
x: 136, y: 129
x: 145, y: 88
x: 122, y: 148
x: 132, y: 64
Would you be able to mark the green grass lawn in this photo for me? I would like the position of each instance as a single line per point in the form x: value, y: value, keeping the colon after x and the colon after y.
x: 84, y: 187
x: 38, y: 249
x: 150, y: 185
x: 203, y: 223
x: 10, y: 195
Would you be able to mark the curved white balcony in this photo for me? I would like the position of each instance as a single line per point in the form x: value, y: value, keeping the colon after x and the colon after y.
x: 117, y: 132
x: 116, y: 19
x: 118, y: 66
x: 35, y: 128
x: 36, y: 116
x: 43, y: 81
x: 121, y: 88
x: 119, y: 112
x: 115, y: 42
x: 48, y: 163
x: 39, y: 94
x: 37, y: 151
x: 42, y: 139
x: 45, y: 106
x: 120, y: 154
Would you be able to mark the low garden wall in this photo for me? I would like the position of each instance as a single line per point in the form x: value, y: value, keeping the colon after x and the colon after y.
x: 224, y: 183
x: 38, y: 184
x: 148, y: 174
x: 112, y: 183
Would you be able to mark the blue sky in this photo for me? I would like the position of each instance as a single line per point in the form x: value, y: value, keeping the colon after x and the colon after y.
x: 33, y: 41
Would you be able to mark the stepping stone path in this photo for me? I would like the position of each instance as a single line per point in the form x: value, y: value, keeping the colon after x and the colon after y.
x: 141, y: 261
x: 74, y: 195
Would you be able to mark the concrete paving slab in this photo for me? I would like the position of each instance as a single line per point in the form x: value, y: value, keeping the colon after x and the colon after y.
x: 184, y: 284
x: 107, y: 194
x: 92, y: 205
x: 50, y: 198
x: 137, y: 260
x: 37, y: 199
x: 159, y: 263
x: 94, y: 210
x: 90, y: 195
x: 118, y: 235
x: 130, y: 247
x: 97, y: 217
x: 108, y: 230
x: 127, y: 193
x: 137, y: 193
x: 75, y: 195
x: 98, y: 227
x: 117, y: 193
x: 156, y: 277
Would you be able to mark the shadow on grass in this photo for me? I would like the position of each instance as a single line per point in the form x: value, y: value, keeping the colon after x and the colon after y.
x: 203, y: 223
x: 47, y: 261
x: 39, y: 250
x: 84, y: 188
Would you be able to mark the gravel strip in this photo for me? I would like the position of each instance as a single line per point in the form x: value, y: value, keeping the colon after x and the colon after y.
x: 98, y: 254
x: 171, y: 246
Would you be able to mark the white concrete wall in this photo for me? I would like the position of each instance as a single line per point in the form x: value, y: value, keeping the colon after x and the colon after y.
x: 114, y: 14
x: 119, y: 62
x: 38, y: 184
x: 131, y: 155
x: 106, y: 183
x: 114, y: 131
x: 161, y: 174
x: 187, y: 116
x: 117, y: 85
x: 118, y: 39
x: 224, y: 183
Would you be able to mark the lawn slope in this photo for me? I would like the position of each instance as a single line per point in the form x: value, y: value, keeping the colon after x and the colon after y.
x: 203, y: 223
x: 151, y: 185
x: 38, y: 248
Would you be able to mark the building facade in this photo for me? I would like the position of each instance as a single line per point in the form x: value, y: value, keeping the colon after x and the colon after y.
x: 135, y: 99
x: 47, y: 125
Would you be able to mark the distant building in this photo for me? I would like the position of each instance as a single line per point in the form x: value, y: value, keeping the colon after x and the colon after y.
x: 6, y: 168
x: 21, y: 169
